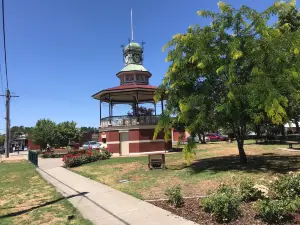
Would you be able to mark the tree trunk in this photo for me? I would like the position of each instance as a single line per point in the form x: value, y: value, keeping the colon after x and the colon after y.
x: 257, y: 130
x: 203, y: 139
x: 240, y: 135
x: 282, y: 130
x: 243, y: 157
x: 297, y: 125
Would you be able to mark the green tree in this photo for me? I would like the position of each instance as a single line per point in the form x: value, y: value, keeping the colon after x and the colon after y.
x: 235, y: 68
x: 142, y: 111
x: 67, y: 133
x: 289, y: 21
x: 21, y: 129
x: 2, y: 139
x: 288, y: 17
x: 45, y: 132
x: 88, y: 130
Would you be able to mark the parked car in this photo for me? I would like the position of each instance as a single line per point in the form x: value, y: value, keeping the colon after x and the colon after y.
x: 211, y: 137
x: 90, y: 145
x: 215, y: 137
x: 222, y: 137
x: 199, y: 139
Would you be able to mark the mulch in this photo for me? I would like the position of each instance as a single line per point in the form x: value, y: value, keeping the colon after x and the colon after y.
x: 192, y: 210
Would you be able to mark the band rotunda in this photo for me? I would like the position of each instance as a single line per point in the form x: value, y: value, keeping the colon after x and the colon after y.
x: 132, y: 133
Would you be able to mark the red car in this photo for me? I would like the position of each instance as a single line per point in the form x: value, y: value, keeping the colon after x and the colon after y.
x: 215, y: 137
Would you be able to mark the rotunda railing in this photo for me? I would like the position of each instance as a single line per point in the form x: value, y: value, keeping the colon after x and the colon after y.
x: 128, y: 121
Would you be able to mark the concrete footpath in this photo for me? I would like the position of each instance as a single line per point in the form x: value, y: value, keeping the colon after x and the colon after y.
x: 102, y: 204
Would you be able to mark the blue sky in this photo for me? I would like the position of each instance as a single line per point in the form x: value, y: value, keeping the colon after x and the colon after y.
x: 60, y: 52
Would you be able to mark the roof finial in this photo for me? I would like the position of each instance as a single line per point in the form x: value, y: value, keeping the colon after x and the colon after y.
x: 131, y: 27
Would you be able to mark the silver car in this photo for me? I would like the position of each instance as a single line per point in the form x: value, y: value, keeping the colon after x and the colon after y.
x: 90, y: 145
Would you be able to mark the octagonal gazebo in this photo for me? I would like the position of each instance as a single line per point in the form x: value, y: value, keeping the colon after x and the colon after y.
x: 129, y: 134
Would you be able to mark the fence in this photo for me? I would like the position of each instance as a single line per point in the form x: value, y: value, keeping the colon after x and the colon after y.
x: 33, y: 157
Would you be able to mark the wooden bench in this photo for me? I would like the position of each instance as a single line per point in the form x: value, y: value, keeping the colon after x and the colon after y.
x: 291, y: 143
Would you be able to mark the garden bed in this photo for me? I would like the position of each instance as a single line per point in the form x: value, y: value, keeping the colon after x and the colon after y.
x: 78, y: 158
x: 60, y: 153
x: 192, y: 210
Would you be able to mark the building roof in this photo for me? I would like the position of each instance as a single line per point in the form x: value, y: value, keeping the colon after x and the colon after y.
x: 125, y: 93
x: 132, y: 86
x: 134, y: 67
x: 133, y: 46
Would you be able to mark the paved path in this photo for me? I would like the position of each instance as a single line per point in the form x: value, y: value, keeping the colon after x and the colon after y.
x: 102, y: 204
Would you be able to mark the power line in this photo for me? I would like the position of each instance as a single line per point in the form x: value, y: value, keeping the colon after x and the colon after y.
x: 7, y: 95
x: 4, y: 43
x: 1, y: 76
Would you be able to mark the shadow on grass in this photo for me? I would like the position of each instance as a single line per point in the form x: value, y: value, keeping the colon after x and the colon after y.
x: 42, y: 205
x: 175, y: 150
x: 262, y: 163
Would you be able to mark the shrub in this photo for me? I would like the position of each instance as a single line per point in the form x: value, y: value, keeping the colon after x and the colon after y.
x: 223, y: 204
x: 252, y: 192
x: 189, y: 151
x: 276, y: 211
x: 174, y: 196
x: 287, y: 186
x: 72, y: 160
x: 51, y: 155
x: 75, y: 152
x: 105, y: 154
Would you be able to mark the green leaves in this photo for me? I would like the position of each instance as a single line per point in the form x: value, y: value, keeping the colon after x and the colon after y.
x: 237, y: 54
x: 275, y: 110
x: 220, y: 69
x: 47, y: 132
x: 237, y: 70
x: 201, y: 65
x: 189, y: 151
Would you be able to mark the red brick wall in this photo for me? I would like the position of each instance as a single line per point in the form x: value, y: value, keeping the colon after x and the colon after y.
x: 114, y: 148
x: 149, y: 146
x: 32, y: 146
x: 168, y: 145
x: 176, y: 135
x: 143, y: 134
x: 112, y: 136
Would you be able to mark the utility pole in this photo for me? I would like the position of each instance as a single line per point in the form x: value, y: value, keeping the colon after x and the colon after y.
x: 7, y: 142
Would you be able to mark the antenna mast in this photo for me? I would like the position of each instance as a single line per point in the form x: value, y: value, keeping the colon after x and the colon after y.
x: 131, y: 27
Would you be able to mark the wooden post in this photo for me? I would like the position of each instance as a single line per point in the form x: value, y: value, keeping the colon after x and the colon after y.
x: 100, y: 111
x: 162, y: 106
x: 109, y: 108
x: 154, y: 109
x: 137, y: 106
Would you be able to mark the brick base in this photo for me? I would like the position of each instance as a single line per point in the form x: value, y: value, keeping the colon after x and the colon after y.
x: 140, y: 140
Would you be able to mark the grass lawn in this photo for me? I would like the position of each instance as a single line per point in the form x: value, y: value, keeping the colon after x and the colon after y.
x: 214, y: 163
x: 26, y: 198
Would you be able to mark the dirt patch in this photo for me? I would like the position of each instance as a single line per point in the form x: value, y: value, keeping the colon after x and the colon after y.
x: 188, y: 189
x: 192, y: 210
x: 2, y: 202
x: 158, y: 191
x: 9, y: 160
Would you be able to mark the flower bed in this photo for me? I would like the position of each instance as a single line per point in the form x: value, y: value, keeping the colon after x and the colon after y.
x: 72, y: 160
x: 274, y: 202
x: 61, y: 153
x: 52, y: 155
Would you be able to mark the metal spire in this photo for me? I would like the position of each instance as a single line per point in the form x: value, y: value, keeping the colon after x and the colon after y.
x: 131, y: 27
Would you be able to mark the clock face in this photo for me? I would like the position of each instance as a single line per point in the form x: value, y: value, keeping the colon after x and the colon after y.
x: 126, y: 58
x: 137, y: 58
